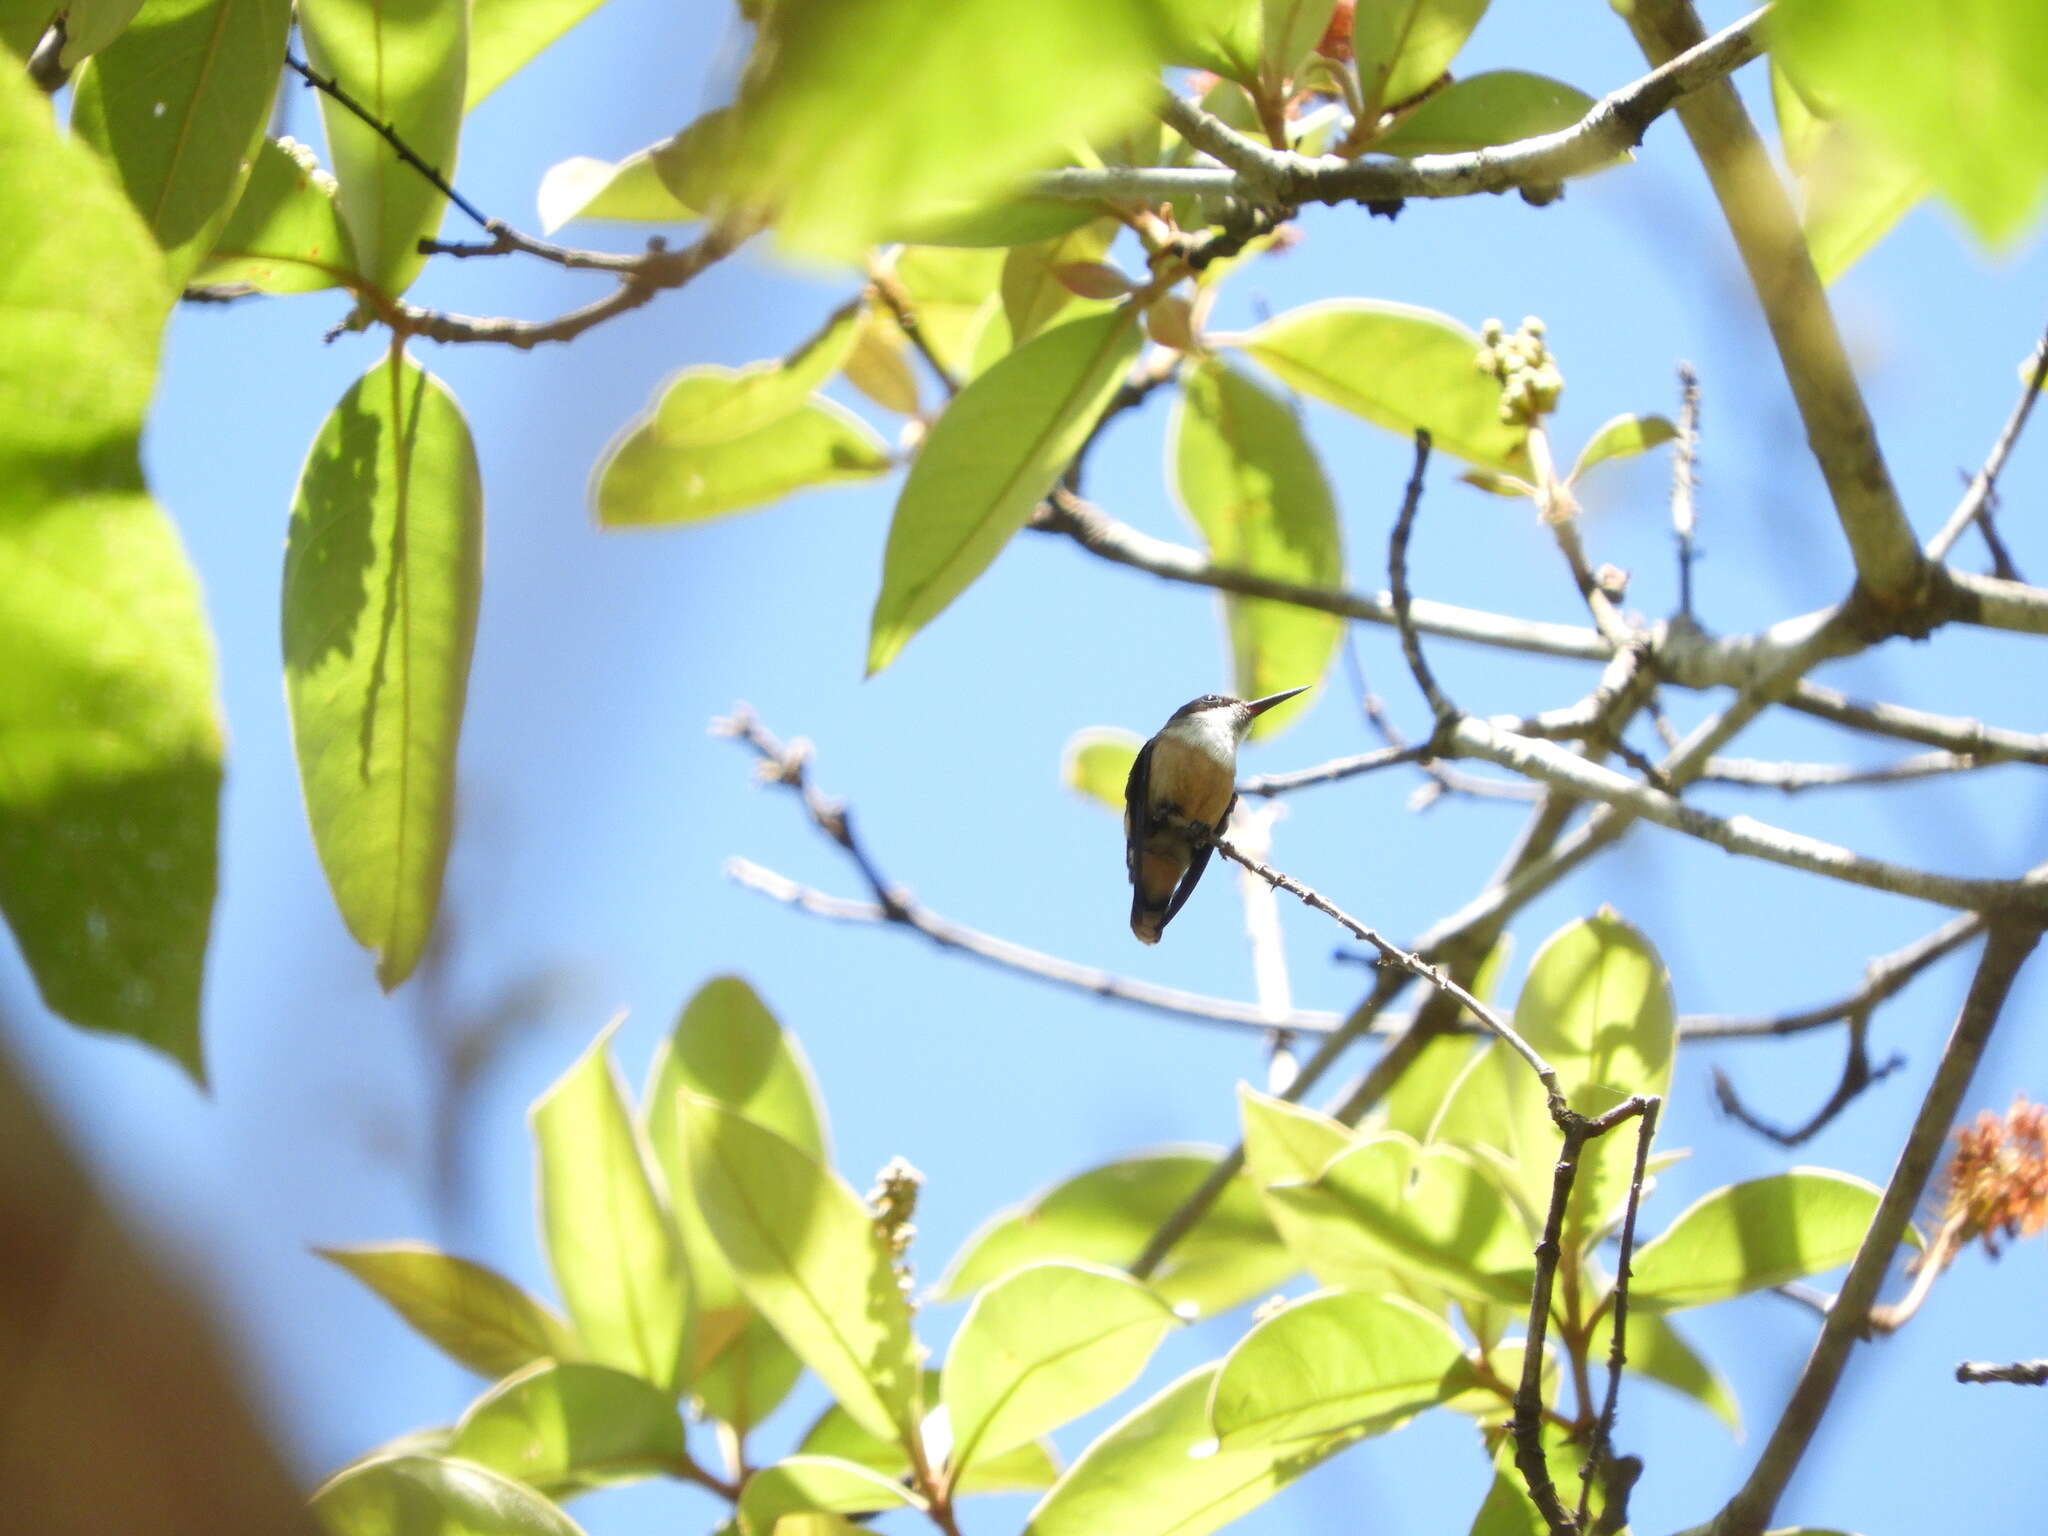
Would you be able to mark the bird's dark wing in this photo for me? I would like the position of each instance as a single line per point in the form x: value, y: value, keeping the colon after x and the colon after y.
x: 1196, y: 865
x: 1137, y: 809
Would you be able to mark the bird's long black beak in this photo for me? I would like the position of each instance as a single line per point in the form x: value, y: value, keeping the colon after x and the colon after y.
x: 1260, y: 706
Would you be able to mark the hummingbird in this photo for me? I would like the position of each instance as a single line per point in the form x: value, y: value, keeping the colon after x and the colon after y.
x: 1185, y: 778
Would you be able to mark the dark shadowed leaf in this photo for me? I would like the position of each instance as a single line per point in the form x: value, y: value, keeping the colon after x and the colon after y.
x: 108, y: 724
x: 381, y: 581
x: 470, y: 1312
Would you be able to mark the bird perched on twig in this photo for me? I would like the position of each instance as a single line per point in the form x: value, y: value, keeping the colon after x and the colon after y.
x: 1176, y: 800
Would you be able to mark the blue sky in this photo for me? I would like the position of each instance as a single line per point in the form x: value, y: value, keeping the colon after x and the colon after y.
x: 598, y: 813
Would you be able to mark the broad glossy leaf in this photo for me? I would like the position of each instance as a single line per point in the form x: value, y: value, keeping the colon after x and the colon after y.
x: 108, y: 721
x: 1851, y: 190
x: 1507, y: 1509
x: 1969, y: 113
x: 1291, y: 28
x: 1147, y: 1475
x: 89, y: 25
x: 1106, y: 1216
x: 1036, y: 293
x: 416, y: 1495
x: 1432, y: 1213
x: 802, y: 1485
x: 562, y: 1428
x: 381, y: 580
x: 1496, y: 1108
x: 727, y: 1046
x: 1023, y: 1470
x: 955, y: 296
x: 178, y: 103
x: 646, y: 481
x: 861, y: 118
x: 708, y: 405
x: 1496, y: 107
x: 1246, y: 476
x: 1623, y: 437
x: 1402, y: 45
x: 1097, y: 762
x: 988, y: 462
x: 507, y: 35
x: 1225, y: 37
x: 1399, y: 367
x: 1339, y: 1361
x: 1597, y: 1006
x: 405, y: 61
x: 629, y: 190
x: 807, y: 1256
x: 1414, y: 1102
x: 1041, y: 1347
x: 606, y: 1223
x: 468, y: 1311
x: 1290, y: 1144
x: 1745, y: 1237
x: 1657, y: 1350
x: 285, y: 234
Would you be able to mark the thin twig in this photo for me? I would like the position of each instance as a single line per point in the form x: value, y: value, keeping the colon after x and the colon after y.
x: 1443, y: 778
x: 1602, y: 1445
x: 1954, y: 733
x: 1331, y: 772
x: 1857, y: 1075
x: 2023, y: 1373
x: 1883, y: 978
x: 897, y: 301
x: 1685, y: 484
x: 1404, y: 604
x: 1984, y: 484
x: 2009, y: 943
x: 331, y: 86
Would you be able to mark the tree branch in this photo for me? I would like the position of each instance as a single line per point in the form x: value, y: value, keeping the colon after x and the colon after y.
x: 1968, y: 738
x: 2024, y: 1373
x: 1857, y: 1075
x: 1600, y: 1451
x: 2009, y: 943
x: 1795, y: 778
x: 1984, y: 484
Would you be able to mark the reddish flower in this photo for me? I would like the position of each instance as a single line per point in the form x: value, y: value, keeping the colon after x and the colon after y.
x: 1996, y: 1183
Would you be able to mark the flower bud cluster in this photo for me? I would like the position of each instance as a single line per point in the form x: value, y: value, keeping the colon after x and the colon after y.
x: 1529, y: 379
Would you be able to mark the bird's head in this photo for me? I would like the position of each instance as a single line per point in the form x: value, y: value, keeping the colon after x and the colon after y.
x: 1239, y: 712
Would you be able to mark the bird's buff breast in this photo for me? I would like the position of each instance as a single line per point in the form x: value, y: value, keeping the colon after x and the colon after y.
x: 1191, y: 771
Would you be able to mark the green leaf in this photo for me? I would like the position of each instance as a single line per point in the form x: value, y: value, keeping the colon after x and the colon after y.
x: 704, y: 406
x: 1034, y: 297
x: 807, y: 1256
x: 988, y: 462
x: 861, y: 118
x: 1968, y: 113
x: 955, y: 296
x: 381, y: 581
x: 630, y: 190
x: 1508, y: 1510
x: 1400, y: 368
x: 609, y: 1238
x: 413, y: 1495
x: 178, y: 103
x: 1108, y: 1214
x: 1511, y: 486
x: 1597, y: 1006
x: 816, y: 1484
x: 727, y: 1046
x: 879, y: 365
x: 1657, y: 1350
x: 1291, y: 28
x: 1154, y: 1473
x: 834, y: 1433
x: 285, y: 234
x: 89, y: 25
x: 1290, y: 1144
x: 1747, y: 1237
x: 646, y: 481
x: 507, y: 35
x: 1246, y: 476
x: 1401, y: 46
x: 1041, y: 1347
x: 562, y: 1428
x: 1851, y: 191
x: 1338, y: 1361
x: 1429, y: 1212
x: 1623, y: 437
x: 1225, y: 37
x: 1097, y: 761
x: 1417, y: 1097
x: 108, y: 722
x: 1498, y: 1110
x: 405, y: 61
x: 1480, y: 111
x: 468, y: 1311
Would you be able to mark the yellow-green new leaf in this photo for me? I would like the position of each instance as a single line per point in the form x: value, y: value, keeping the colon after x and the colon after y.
x: 646, y: 481
x: 89, y: 25
x: 1041, y: 1347
x: 606, y: 1223
x: 406, y: 62
x: 630, y: 190
x: 285, y: 234
x: 1745, y: 1237
x: 1623, y: 437
x: 468, y: 1311
x: 1246, y: 476
x: 988, y: 462
x: 382, y: 575
x: 1157, y: 1473
x: 1026, y: 1469
x: 803, y: 1485
x: 1291, y: 28
x: 1498, y: 106
x: 562, y: 1428
x: 1401, y: 46
x: 178, y: 103
x: 1400, y: 368
x: 807, y: 1256
x: 1106, y: 1216
x: 1334, y: 1362
x: 1225, y: 37
x: 1289, y: 1144
x: 1097, y: 763
x: 423, y: 1495
x: 1852, y: 190
x: 1034, y: 294
x: 507, y: 35
x: 108, y: 721
x: 860, y: 118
